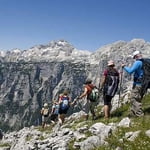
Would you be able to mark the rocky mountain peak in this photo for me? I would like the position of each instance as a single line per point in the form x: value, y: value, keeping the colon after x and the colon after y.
x: 54, y: 51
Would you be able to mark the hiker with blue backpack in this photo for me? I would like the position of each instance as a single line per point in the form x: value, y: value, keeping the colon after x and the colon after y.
x: 109, y: 85
x: 64, y: 104
x: 91, y: 95
x: 136, y: 98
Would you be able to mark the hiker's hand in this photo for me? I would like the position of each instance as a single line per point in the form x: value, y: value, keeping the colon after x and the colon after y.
x: 78, y: 97
x: 122, y: 65
x: 100, y: 90
x: 74, y: 102
x: 71, y: 104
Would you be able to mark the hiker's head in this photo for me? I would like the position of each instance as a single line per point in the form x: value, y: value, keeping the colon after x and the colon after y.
x: 55, y: 101
x: 88, y: 81
x: 137, y: 55
x: 110, y: 63
x: 65, y: 92
x: 45, y: 105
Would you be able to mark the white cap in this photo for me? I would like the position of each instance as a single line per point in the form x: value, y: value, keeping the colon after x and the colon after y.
x: 135, y: 53
x: 45, y: 104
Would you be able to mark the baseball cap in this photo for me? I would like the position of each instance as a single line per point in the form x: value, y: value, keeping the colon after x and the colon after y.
x: 135, y: 53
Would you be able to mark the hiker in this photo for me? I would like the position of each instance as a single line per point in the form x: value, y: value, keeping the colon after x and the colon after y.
x: 109, y: 85
x: 136, y: 68
x: 1, y: 134
x: 54, y: 112
x: 45, y: 115
x: 88, y: 106
x: 64, y: 104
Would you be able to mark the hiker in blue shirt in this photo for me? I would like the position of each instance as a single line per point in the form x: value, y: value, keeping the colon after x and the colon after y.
x: 136, y: 68
x: 54, y: 112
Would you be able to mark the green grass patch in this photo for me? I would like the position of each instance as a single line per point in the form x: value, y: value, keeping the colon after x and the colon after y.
x: 28, y: 138
x: 5, y: 145
x: 117, y: 139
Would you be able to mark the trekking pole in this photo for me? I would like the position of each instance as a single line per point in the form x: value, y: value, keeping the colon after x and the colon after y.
x: 76, y: 102
x: 120, y: 85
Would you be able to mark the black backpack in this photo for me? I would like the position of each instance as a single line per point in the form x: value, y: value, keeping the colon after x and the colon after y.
x: 112, y: 82
x: 146, y: 76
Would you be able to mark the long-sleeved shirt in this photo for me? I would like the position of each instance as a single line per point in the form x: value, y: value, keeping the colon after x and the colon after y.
x: 136, y: 68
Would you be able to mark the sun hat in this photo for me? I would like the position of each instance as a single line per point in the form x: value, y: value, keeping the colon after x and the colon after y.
x: 111, y: 63
x: 135, y: 53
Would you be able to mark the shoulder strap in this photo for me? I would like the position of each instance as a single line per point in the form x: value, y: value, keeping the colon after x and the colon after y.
x: 89, y: 88
x: 64, y: 97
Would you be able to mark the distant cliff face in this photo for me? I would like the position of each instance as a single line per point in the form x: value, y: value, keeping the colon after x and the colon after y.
x: 31, y: 77
x: 26, y: 86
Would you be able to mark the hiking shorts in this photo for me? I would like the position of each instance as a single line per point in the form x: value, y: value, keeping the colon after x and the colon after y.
x: 45, y: 118
x: 54, y: 117
x: 89, y: 106
x: 107, y: 99
x: 63, y: 111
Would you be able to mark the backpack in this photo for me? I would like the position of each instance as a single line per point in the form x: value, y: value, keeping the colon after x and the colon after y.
x: 65, y: 103
x: 45, y: 112
x: 146, y: 76
x: 112, y: 82
x: 94, y: 95
x: 56, y: 109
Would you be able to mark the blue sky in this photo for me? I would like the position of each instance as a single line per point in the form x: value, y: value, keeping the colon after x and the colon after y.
x: 86, y: 24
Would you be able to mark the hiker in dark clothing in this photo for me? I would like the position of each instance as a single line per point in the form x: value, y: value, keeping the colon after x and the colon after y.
x: 109, y: 84
x: 54, y: 112
x: 64, y: 104
x: 136, y: 68
x: 1, y: 134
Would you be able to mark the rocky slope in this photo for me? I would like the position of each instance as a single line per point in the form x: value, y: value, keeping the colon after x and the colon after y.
x: 117, y: 133
x: 31, y: 77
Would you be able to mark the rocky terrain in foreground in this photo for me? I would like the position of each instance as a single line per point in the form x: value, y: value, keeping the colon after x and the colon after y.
x: 118, y: 133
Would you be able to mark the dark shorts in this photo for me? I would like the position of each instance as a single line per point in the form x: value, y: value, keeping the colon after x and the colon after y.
x: 107, y: 99
x: 54, y: 117
x: 63, y: 111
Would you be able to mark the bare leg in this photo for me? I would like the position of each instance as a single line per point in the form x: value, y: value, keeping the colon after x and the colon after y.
x: 106, y: 111
x: 61, y: 118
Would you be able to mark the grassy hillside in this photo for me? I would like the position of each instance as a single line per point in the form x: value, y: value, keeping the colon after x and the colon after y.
x: 117, y: 139
x: 142, y: 142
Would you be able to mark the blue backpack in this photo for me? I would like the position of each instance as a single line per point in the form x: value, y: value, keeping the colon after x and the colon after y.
x: 65, y: 102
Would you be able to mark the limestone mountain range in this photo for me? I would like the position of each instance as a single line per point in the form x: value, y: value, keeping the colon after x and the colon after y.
x: 28, y: 78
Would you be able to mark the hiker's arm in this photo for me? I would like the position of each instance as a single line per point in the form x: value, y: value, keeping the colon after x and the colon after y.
x: 103, y: 80
x: 52, y: 111
x: 131, y: 69
x: 60, y: 100
x: 84, y: 93
x: 42, y: 111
